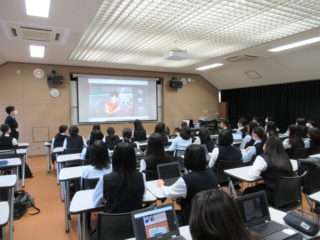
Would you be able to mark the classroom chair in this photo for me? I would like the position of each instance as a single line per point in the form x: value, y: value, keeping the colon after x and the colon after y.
x: 222, y: 165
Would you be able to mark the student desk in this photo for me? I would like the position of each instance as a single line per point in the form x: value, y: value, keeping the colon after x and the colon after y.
x: 4, y: 216
x: 315, y: 156
x: 23, y: 145
x: 81, y: 204
x: 48, y: 152
x: 65, y: 158
x: 12, y: 163
x: 9, y: 181
x: 316, y: 198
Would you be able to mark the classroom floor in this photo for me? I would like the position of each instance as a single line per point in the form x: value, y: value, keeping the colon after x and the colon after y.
x: 49, y: 224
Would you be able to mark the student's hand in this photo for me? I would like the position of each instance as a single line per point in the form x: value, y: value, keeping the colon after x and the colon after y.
x: 247, y: 149
x: 160, y: 183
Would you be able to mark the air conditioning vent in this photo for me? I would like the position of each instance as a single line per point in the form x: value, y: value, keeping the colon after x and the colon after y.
x: 241, y: 58
x: 35, y: 33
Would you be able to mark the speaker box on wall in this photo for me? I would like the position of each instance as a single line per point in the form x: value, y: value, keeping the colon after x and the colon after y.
x: 54, y: 79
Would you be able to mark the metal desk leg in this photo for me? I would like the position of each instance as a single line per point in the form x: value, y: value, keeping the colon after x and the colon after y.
x: 23, y: 159
x: 66, y: 205
x: 79, y: 226
x: 3, y: 232
x: 17, y: 183
x: 84, y: 226
x: 48, y: 158
x: 58, y: 171
x: 11, y: 196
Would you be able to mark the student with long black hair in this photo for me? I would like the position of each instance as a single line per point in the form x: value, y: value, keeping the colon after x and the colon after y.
x: 271, y: 129
x: 242, y: 126
x: 225, y: 124
x: 127, y: 136
x: 314, y: 134
x: 6, y: 141
x: 215, y: 216
x: 94, y: 136
x: 139, y: 133
x: 204, y: 135
x: 95, y: 126
x: 160, y: 128
x: 155, y: 153
x: 111, y: 140
x: 259, y: 138
x: 198, y: 179
x: 247, y: 140
x: 123, y: 188
x: 294, y: 140
x: 182, y: 141
x: 273, y: 164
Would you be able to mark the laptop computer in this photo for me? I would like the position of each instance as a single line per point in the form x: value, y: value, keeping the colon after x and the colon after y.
x: 206, y: 152
x: 156, y: 222
x: 255, y: 213
x: 169, y: 172
x: 237, y: 137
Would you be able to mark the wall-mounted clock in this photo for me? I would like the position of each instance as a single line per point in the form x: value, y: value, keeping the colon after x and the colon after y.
x: 38, y: 73
x: 54, y: 92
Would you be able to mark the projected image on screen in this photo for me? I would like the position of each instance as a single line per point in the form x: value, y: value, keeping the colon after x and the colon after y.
x: 114, y: 99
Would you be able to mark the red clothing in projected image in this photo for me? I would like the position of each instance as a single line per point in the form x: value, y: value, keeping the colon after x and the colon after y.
x: 111, y: 107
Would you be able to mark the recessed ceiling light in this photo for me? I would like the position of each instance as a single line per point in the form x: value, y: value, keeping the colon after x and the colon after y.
x: 38, y: 8
x: 294, y: 45
x: 209, y: 66
x: 36, y: 51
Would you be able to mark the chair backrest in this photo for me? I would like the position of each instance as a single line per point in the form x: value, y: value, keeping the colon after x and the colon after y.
x: 9, y: 153
x: 288, y: 191
x: 224, y: 165
x: 151, y: 175
x: 89, y: 183
x: 75, y: 150
x: 300, y: 153
x: 311, y: 182
x: 114, y: 226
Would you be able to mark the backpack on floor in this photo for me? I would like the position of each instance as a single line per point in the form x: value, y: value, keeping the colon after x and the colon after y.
x: 23, y: 201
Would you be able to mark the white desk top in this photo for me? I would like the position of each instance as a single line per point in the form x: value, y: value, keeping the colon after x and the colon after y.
x: 68, y: 157
x: 71, y: 173
x: 8, y: 181
x: 23, y: 144
x: 12, y: 162
x: 47, y: 144
x: 315, y: 197
x: 82, y: 201
x: 241, y: 173
x: 58, y: 150
x: 315, y: 155
x: 4, y: 213
x: 154, y: 189
x: 21, y: 151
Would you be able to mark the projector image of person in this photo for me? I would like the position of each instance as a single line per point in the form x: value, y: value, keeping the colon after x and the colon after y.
x: 112, y: 106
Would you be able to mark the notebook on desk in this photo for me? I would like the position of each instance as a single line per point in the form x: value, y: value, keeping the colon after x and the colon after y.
x: 157, y: 222
x: 3, y: 162
x: 255, y: 213
x: 169, y: 172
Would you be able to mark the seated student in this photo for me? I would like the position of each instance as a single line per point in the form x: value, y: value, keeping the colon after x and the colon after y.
x: 74, y: 141
x: 58, y: 140
x: 183, y: 124
x: 6, y: 141
x: 271, y: 129
x: 224, y: 150
x: 95, y: 126
x: 225, y: 124
x: 273, y: 164
x: 94, y: 136
x: 139, y: 133
x: 259, y: 137
x: 242, y: 127
x: 247, y: 140
x: 268, y: 119
x: 155, y: 155
x: 198, y: 179
x: 182, y: 141
x: 127, y: 135
x: 124, y: 187
x: 215, y: 216
x: 99, y: 161
x: 310, y: 124
x: 314, y: 134
x: 204, y: 135
x: 256, y: 120
x: 111, y: 140
x: 294, y: 140
x: 304, y: 134
x: 161, y: 129
x: 300, y: 121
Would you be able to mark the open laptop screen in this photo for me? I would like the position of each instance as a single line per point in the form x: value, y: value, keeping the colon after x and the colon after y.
x: 253, y: 208
x: 168, y: 170
x: 155, y: 223
x: 237, y: 136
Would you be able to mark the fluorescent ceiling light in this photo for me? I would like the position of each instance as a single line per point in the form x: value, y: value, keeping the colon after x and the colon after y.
x: 36, y: 51
x: 38, y: 8
x: 294, y: 45
x: 209, y: 66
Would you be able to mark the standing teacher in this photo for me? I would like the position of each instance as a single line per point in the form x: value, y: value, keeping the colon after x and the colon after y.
x: 12, y: 122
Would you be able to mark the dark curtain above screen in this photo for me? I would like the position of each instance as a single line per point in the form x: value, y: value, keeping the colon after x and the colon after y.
x: 283, y: 102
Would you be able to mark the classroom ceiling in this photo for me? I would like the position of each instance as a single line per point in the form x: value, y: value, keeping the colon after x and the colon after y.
x: 134, y: 34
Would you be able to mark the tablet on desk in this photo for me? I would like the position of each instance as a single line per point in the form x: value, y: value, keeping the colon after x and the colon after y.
x: 3, y: 162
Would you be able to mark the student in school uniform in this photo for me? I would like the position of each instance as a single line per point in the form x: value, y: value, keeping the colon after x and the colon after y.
x: 214, y: 215
x: 95, y: 126
x: 294, y: 140
x: 314, y: 140
x: 12, y: 122
x: 251, y: 152
x: 160, y: 128
x: 6, y: 141
x: 86, y: 152
x: 271, y: 129
x: 155, y: 155
x: 74, y: 141
x: 225, y: 124
x: 111, y: 140
x: 224, y: 150
x: 139, y: 133
x: 247, y: 140
x: 123, y: 188
x: 182, y: 141
x: 99, y: 161
x: 58, y: 140
x: 271, y: 165
x: 198, y: 179
x: 242, y: 127
x: 204, y: 135
x: 127, y: 137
